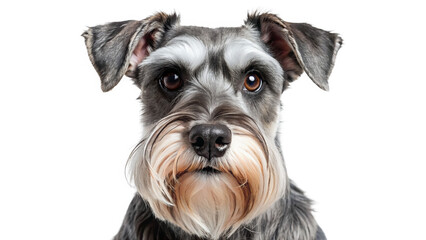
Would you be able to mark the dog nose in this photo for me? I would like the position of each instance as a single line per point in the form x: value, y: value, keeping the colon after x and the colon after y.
x: 210, y: 140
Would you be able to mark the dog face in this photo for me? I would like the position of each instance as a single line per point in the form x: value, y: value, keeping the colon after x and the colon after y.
x: 210, y: 159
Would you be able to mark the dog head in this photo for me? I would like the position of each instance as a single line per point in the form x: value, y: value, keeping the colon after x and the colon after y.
x: 210, y: 159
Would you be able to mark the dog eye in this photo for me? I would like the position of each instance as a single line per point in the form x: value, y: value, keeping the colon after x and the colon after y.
x: 171, y: 81
x: 252, y: 82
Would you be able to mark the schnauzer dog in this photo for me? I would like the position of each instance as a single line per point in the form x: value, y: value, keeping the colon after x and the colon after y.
x: 209, y: 165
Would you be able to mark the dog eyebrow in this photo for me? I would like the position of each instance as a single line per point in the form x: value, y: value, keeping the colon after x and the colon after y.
x: 185, y: 49
x: 241, y: 53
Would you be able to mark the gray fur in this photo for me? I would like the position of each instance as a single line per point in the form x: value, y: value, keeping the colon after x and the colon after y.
x: 110, y: 46
x: 289, y: 219
x: 314, y: 49
x: 208, y: 61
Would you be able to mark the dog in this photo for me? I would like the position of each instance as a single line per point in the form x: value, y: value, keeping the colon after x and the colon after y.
x: 209, y: 165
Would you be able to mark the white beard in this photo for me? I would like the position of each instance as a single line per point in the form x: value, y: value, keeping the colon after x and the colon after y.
x: 167, y: 174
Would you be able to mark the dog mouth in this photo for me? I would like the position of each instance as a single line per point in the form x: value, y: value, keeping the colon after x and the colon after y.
x: 209, y: 170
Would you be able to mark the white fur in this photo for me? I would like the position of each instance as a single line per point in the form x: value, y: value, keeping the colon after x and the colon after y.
x: 183, y: 49
x: 240, y: 51
x: 165, y: 172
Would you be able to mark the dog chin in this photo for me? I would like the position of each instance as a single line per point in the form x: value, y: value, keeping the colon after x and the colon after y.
x: 209, y: 204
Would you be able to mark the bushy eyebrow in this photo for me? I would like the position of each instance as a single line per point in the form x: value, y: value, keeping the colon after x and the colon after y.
x: 242, y: 56
x: 185, y: 50
x: 240, y: 53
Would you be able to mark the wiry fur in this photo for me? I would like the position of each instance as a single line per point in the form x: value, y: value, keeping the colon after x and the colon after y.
x: 218, y: 203
x: 289, y: 218
x: 244, y: 193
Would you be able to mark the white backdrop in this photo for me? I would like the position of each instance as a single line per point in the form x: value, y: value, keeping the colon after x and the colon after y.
x: 357, y: 150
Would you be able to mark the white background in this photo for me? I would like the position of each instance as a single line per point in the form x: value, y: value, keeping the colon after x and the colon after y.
x: 357, y: 150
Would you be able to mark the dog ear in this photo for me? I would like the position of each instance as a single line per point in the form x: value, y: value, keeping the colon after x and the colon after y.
x: 298, y: 47
x: 118, y: 48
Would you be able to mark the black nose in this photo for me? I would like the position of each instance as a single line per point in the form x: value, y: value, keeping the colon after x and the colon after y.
x: 210, y: 140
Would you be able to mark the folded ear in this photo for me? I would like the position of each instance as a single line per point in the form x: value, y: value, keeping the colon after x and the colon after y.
x: 118, y: 48
x: 298, y: 47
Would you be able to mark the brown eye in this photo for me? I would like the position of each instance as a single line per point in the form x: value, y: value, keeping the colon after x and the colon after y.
x: 171, y: 81
x: 252, y: 82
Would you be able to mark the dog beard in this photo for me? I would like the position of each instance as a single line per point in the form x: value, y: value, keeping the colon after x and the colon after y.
x: 207, y: 198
